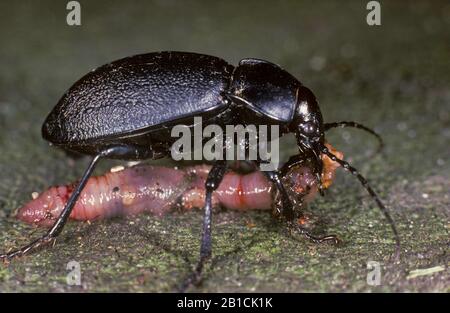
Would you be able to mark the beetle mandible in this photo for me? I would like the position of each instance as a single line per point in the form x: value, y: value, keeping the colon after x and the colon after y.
x: 126, y: 109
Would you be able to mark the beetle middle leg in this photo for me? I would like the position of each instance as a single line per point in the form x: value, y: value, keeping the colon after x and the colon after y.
x: 213, y: 181
x: 61, y: 221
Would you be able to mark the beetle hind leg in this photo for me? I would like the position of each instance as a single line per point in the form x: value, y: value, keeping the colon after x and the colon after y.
x: 62, y: 219
x: 57, y: 227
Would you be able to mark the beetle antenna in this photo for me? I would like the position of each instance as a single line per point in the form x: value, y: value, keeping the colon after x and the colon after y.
x: 328, y: 126
x: 372, y: 193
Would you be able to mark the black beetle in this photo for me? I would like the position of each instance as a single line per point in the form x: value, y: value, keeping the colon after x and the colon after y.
x: 125, y: 110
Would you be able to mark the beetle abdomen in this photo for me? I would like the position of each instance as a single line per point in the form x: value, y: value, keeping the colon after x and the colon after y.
x: 135, y: 93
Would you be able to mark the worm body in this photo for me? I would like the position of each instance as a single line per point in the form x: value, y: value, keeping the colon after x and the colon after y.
x: 157, y: 190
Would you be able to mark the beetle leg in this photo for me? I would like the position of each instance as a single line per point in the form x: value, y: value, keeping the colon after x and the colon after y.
x: 58, y: 226
x: 287, y: 210
x: 297, y: 159
x: 213, y: 181
x: 318, y: 167
x: 289, y: 214
x: 316, y: 239
x: 293, y: 161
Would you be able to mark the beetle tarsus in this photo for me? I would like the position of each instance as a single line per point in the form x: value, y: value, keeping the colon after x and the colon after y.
x: 316, y: 239
x: 28, y: 248
x: 195, y: 278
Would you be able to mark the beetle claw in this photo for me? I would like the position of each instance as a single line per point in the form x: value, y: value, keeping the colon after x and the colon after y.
x: 27, y: 249
x: 316, y: 239
x: 330, y: 238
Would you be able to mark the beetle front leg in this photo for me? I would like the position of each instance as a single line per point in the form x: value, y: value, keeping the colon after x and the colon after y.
x: 288, y: 213
x: 297, y: 159
x: 215, y: 177
x: 286, y: 210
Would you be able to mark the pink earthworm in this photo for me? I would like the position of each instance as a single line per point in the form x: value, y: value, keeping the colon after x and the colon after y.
x: 157, y: 190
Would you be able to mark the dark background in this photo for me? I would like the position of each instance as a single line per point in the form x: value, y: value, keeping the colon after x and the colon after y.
x: 394, y: 78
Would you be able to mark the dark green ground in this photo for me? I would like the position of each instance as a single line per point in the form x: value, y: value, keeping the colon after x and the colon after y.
x: 394, y: 77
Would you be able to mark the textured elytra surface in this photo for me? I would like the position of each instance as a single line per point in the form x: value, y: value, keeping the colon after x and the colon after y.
x: 393, y: 78
x: 138, y: 92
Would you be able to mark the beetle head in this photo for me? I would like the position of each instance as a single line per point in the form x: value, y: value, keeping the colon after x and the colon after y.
x: 308, y: 122
x: 308, y: 126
